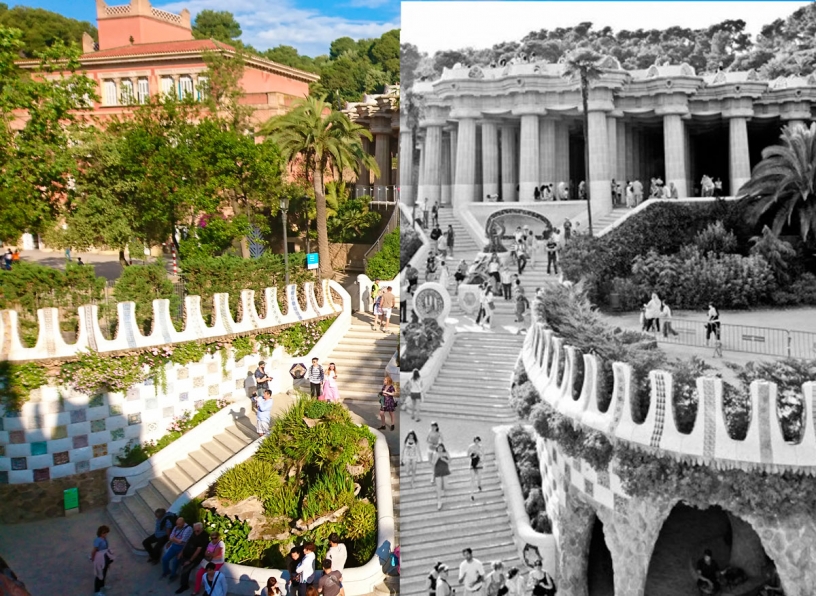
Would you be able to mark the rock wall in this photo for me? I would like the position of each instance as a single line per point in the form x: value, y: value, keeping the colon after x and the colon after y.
x: 41, y: 500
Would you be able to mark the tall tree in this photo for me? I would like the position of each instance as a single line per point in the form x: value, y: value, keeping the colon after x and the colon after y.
x: 582, y: 65
x: 42, y: 28
x: 782, y: 184
x: 220, y: 25
x: 320, y: 141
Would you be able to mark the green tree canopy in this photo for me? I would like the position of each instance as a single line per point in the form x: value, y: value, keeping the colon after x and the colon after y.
x: 42, y: 28
x: 216, y: 24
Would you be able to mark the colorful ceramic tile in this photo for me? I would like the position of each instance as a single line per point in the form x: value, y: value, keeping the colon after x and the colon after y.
x: 117, y: 434
x: 149, y: 382
x: 97, y: 400
x: 42, y: 474
x: 19, y: 463
x: 39, y: 448
x: 80, y: 441
x: 198, y: 382
x: 100, y: 450
x: 16, y: 437
x: 115, y: 410
x: 133, y: 394
x: 152, y: 427
x: 589, y: 487
x: 59, y: 432
x: 212, y: 367
x: 134, y: 419
x: 63, y: 457
x: 183, y: 373
x: 97, y: 426
x: 79, y: 416
x: 83, y: 466
x: 239, y: 383
x: 184, y: 396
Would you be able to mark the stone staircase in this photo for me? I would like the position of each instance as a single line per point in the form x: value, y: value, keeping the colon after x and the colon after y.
x: 601, y: 223
x: 133, y: 515
x: 391, y: 584
x: 474, y: 382
x: 430, y: 535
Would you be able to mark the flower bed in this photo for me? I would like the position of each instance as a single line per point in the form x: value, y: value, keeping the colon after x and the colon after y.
x: 525, y: 455
x: 132, y: 455
x: 422, y: 339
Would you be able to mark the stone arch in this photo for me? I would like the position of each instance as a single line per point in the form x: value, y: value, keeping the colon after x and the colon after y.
x: 600, y: 571
x: 516, y: 216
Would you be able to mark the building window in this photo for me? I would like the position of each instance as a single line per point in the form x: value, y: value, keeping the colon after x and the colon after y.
x: 185, y: 87
x: 203, y: 87
x: 109, y: 93
x: 144, y: 91
x: 128, y: 96
x: 166, y: 86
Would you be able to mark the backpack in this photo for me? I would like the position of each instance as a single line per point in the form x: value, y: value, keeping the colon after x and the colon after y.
x: 171, y: 517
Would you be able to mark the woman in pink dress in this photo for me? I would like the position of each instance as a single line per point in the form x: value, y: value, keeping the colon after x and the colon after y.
x: 330, y: 392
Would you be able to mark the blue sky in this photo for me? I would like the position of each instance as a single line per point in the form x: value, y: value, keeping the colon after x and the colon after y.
x: 308, y: 25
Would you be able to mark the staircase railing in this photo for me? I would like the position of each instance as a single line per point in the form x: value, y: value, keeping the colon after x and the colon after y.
x: 393, y: 224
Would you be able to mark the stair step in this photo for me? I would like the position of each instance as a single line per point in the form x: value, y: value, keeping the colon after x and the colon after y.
x: 178, y: 479
x: 205, y: 459
x: 142, y: 514
x: 217, y: 451
x: 192, y: 468
x: 152, y: 498
x: 124, y: 523
x: 165, y: 488
x: 230, y: 442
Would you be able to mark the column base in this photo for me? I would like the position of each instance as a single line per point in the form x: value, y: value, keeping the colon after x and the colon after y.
x: 508, y: 193
x: 736, y: 184
x: 464, y: 194
x: 407, y: 195
x: 527, y: 192
x: 600, y: 196
x: 447, y: 194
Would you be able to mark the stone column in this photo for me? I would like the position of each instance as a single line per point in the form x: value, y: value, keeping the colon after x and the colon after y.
x: 738, y: 158
x: 599, y: 179
x: 630, y: 153
x: 547, y: 151
x: 406, y: 166
x: 490, y: 159
x: 176, y: 79
x: 612, y: 136
x: 508, y: 163
x: 562, y: 155
x: 447, y: 180
x: 421, y: 174
x: 433, y: 163
x: 674, y: 149
x: 134, y: 89
x: 453, y: 140
x: 528, y: 157
x: 382, y: 153
x: 364, y: 179
x: 465, y: 187
x: 620, y: 173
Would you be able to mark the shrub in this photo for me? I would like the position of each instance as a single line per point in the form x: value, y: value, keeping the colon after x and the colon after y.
x: 525, y: 455
x: 354, y: 222
x: 409, y: 244
x: 523, y: 399
x: 776, y: 252
x: 686, y: 399
x: 252, y: 477
x: 716, y: 239
x: 422, y: 339
x: 191, y: 511
x: 142, y: 284
x: 239, y: 549
x: 17, y: 381
x: 385, y: 264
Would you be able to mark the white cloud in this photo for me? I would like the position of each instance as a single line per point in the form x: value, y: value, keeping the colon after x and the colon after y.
x: 270, y: 23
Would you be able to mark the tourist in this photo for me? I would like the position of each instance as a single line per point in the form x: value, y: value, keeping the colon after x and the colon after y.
x: 337, y: 552
x: 514, y: 583
x: 214, y: 553
x: 412, y: 275
x: 387, y: 305
x: 652, y: 313
x: 707, y: 574
x: 154, y: 543
x: 264, y: 413
x: 517, y: 288
x: 712, y: 327
x: 475, y: 452
x: 306, y: 568
x: 489, y: 307
x: 441, y: 468
x: 552, y: 253
x: 546, y: 192
x: 672, y: 194
x: 271, y: 588
x: 432, y: 580
x: 101, y: 557
x: 292, y: 561
x: 443, y: 587
x: 718, y: 187
x: 536, y: 194
x: 330, y: 391
x: 666, y: 316
x: 175, y: 544
x: 582, y: 192
x: 707, y: 185
x: 410, y: 455
x: 637, y: 190
x: 316, y: 377
x: 539, y: 581
x: 522, y: 306
x: 435, y: 233
x: 471, y: 574
x: 567, y: 230
x: 7, y: 259
x: 460, y: 275
x: 506, y: 280
x: 261, y: 378
x: 414, y: 389
x: 493, y: 267
x: 377, y: 311
x: 331, y: 582
x: 387, y: 402
x: 450, y: 239
x: 496, y: 580
x: 405, y: 290
x: 425, y: 213
x: 630, y: 195
x: 522, y: 257
x: 430, y: 268
x: 375, y: 290
x: 215, y: 584
x: 442, y: 244
x: 68, y: 254
x: 79, y: 261
x: 482, y: 292
x: 191, y: 556
x: 561, y: 191
x: 434, y: 439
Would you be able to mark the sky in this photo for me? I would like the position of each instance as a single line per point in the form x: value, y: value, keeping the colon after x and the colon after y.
x: 308, y: 25
x: 433, y: 26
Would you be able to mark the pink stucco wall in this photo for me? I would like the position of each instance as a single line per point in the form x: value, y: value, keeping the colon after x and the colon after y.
x: 116, y: 32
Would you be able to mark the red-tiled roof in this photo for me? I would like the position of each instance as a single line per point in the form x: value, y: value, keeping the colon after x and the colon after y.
x: 165, y: 47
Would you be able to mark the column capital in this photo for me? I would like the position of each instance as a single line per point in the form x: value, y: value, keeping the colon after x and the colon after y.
x: 529, y: 110
x: 465, y: 114
x: 738, y: 113
x: 672, y: 110
x: 432, y: 122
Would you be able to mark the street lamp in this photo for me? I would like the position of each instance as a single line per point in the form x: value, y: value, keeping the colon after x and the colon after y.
x: 284, y: 205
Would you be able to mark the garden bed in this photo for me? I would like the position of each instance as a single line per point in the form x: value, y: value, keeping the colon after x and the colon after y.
x: 523, y: 446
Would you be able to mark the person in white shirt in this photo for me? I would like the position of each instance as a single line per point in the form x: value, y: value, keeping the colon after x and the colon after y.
x: 306, y: 568
x: 215, y: 584
x: 471, y: 574
x: 337, y: 553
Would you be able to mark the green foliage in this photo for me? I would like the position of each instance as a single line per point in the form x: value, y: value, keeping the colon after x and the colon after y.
x: 353, y: 222
x: 422, y: 339
x: 800, y: 292
x: 776, y: 252
x: 188, y: 352
x: 191, y: 511
x: 330, y: 491
x: 143, y: 284
x: 253, y: 477
x: 716, y: 239
x: 686, y: 399
x: 16, y: 383
x: 239, y: 549
x: 242, y: 347
x: 214, y: 236
x: 576, y: 441
x: 409, y: 244
x: 385, y: 264
x: 92, y: 372
x: 220, y: 25
x: 42, y: 28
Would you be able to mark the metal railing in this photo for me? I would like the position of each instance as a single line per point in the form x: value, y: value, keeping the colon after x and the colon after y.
x: 393, y: 224
x: 741, y: 338
x: 378, y: 193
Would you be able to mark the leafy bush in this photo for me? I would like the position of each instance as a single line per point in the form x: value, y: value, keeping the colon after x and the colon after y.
x: 215, y: 235
x: 142, y: 284
x: 800, y: 292
x: 385, y: 264
x: 239, y: 549
x: 252, y: 477
x: 422, y: 339
x: 191, y: 511
x: 686, y: 399
x: 776, y: 252
x: 93, y: 372
x: 17, y: 381
x: 409, y: 244
x: 716, y: 239
x: 353, y: 222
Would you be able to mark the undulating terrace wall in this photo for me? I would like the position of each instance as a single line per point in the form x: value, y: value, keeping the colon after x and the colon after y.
x: 60, y: 432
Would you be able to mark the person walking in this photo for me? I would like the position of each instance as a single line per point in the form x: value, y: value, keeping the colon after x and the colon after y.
x: 637, y: 189
x: 496, y: 581
x: 552, y: 253
x: 506, y: 280
x: 475, y: 453
x: 522, y: 256
x: 712, y: 327
x: 441, y: 469
x: 434, y: 439
x: 387, y: 401
x: 435, y: 213
x: 431, y: 581
x: 101, y: 557
x: 666, y: 316
x: 442, y: 244
x: 425, y: 213
x: 261, y: 378
x: 567, y: 229
x: 489, y: 307
x: 515, y: 583
x: 410, y: 455
x: 414, y: 388
x: 330, y: 391
x: 539, y: 581
x: 460, y: 275
x: 522, y: 306
x: 443, y: 587
x: 652, y: 313
x: 386, y: 305
x: 493, y: 267
x: 316, y: 377
x: 451, y: 239
x: 412, y: 275
x: 215, y: 584
x: 264, y: 413
x: 471, y: 574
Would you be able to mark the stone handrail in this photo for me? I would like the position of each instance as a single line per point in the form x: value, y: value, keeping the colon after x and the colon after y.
x: 545, y: 356
x: 245, y: 580
x: 421, y: 255
x: 649, y: 202
x: 50, y: 343
x: 364, y: 283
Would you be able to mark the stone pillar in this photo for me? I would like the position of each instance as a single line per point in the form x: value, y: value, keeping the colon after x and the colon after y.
x: 547, y: 151
x: 738, y: 158
x: 508, y: 163
x: 490, y: 159
x: 433, y: 163
x: 364, y: 179
x: 421, y: 174
x: 528, y: 157
x: 118, y: 84
x: 562, y: 155
x: 612, y: 136
x: 453, y: 141
x: 465, y: 187
x: 620, y: 173
x: 630, y: 153
x: 406, y: 166
x: 176, y: 79
x: 447, y: 180
x: 382, y: 153
x: 600, y: 201
x: 674, y: 149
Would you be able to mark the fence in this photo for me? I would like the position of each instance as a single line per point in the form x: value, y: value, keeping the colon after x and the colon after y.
x: 393, y: 224
x: 743, y: 338
x: 378, y: 193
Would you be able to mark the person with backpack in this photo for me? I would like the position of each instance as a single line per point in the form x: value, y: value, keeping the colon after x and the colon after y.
x: 331, y: 582
x: 435, y: 213
x: 375, y: 291
x: 540, y: 582
x: 153, y: 544
x: 378, y: 312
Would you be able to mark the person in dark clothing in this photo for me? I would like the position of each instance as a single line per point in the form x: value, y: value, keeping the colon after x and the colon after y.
x: 708, y: 574
x: 192, y: 555
x: 154, y: 543
x: 552, y: 254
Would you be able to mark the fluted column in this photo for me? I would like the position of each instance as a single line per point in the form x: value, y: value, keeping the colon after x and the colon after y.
x: 620, y: 173
x: 465, y: 188
x: 612, y: 151
x: 406, y: 166
x: 364, y: 179
x: 490, y: 159
x: 547, y: 151
x: 739, y: 161
x: 447, y: 181
x: 433, y: 163
x: 630, y: 153
x: 599, y: 164
x: 453, y: 141
x: 562, y: 154
x: 382, y: 153
x: 508, y: 163
x: 528, y: 157
x: 421, y: 173
x: 674, y: 151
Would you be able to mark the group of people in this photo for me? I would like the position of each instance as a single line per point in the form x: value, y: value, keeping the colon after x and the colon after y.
x: 499, y: 581
x: 303, y: 581
x: 384, y: 301
x: 710, y: 187
x: 656, y: 314
x: 10, y: 258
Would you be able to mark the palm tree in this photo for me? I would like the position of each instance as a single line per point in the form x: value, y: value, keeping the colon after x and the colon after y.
x: 782, y: 184
x: 582, y: 64
x: 320, y: 140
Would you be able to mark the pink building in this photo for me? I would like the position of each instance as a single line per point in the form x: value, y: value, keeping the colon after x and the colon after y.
x: 144, y: 51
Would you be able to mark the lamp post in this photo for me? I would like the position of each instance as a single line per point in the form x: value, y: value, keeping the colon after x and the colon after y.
x: 284, y: 205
